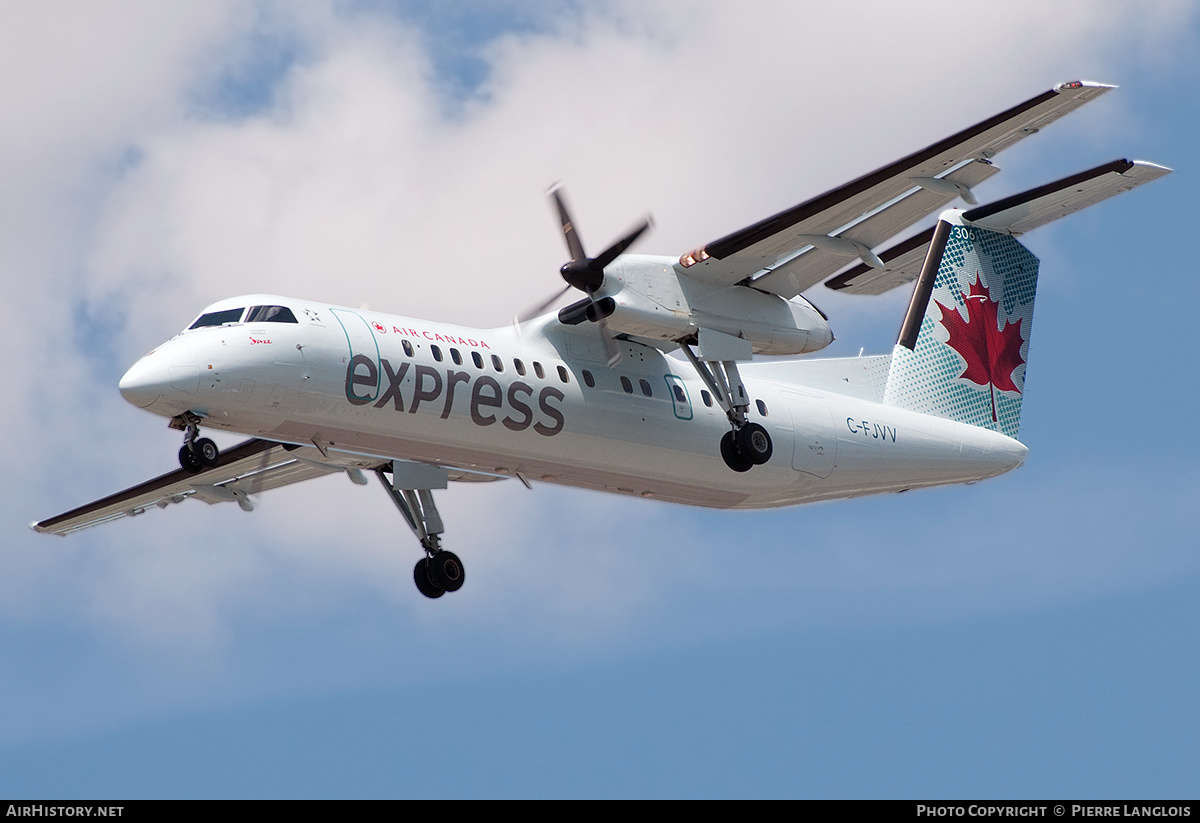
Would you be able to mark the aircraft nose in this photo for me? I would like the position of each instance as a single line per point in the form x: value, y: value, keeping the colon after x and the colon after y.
x: 145, y: 382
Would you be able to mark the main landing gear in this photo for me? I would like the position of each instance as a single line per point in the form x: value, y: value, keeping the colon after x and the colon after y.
x: 747, y: 444
x: 746, y: 447
x: 439, y: 571
x: 198, y: 453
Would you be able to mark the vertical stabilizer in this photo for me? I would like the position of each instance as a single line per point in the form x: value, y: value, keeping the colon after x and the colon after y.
x: 964, y: 344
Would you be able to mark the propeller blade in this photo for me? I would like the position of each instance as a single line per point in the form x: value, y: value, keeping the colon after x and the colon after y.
x: 599, y: 262
x: 574, y: 244
x: 542, y: 308
x: 611, y: 348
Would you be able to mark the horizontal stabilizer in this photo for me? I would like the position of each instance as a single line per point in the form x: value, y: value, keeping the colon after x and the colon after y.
x: 1013, y: 215
x: 1022, y: 212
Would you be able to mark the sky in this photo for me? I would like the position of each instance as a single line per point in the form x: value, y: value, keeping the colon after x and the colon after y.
x: 1029, y: 636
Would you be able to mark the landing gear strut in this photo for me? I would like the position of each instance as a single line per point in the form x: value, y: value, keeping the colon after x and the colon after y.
x: 439, y: 571
x: 198, y: 453
x: 747, y: 444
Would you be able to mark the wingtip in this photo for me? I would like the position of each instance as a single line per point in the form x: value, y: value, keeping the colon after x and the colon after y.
x: 1072, y: 85
x: 1157, y: 168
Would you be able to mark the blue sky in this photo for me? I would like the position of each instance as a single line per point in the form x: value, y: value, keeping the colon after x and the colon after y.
x: 1028, y: 636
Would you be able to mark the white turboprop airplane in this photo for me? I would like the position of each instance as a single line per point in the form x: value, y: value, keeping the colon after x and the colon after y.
x: 588, y: 397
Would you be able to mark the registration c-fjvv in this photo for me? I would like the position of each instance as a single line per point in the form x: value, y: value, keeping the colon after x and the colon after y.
x: 663, y: 380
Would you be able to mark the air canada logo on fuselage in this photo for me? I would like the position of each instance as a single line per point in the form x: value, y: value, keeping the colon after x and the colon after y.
x: 489, y: 402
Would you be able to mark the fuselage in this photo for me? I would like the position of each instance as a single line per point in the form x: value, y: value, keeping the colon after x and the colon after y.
x: 541, y: 404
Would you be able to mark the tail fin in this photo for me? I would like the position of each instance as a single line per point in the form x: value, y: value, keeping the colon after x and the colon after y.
x: 965, y: 341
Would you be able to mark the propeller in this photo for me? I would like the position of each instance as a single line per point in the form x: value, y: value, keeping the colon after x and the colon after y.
x: 540, y: 308
x: 583, y: 272
x: 587, y: 273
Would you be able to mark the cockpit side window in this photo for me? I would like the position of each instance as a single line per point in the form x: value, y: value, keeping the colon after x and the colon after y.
x: 270, y: 314
x: 218, y: 318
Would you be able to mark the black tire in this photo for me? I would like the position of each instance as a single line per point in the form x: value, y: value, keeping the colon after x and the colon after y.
x: 754, y: 443
x: 206, y: 451
x: 733, y: 458
x: 189, y: 461
x: 424, y: 584
x: 446, y: 571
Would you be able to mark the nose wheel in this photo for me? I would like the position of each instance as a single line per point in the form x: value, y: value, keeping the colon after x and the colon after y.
x: 198, y: 453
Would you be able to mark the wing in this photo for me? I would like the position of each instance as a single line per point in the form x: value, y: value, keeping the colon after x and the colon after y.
x: 248, y: 468
x: 1013, y: 215
x: 798, y: 248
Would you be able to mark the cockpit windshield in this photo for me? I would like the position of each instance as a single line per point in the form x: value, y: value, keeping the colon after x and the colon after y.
x: 217, y: 318
x: 270, y: 314
x: 256, y: 314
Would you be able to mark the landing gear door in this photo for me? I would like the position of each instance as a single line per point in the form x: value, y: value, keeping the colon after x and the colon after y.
x: 362, y: 370
x: 678, y: 393
x: 815, y: 450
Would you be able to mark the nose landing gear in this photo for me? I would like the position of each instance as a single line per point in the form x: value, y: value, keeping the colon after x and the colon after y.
x: 198, y: 453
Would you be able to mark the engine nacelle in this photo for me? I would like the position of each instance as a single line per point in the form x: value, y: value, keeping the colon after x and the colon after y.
x: 646, y: 297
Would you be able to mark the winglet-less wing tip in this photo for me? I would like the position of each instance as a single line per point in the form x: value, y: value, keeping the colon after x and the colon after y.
x: 1083, y: 84
x: 1156, y: 167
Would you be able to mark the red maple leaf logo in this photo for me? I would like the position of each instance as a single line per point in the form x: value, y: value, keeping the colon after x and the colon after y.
x: 992, y: 353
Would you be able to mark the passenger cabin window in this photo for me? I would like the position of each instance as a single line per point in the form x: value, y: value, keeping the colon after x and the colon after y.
x: 456, y: 357
x: 587, y: 378
x: 762, y: 407
x: 706, y: 397
x: 537, y: 369
x: 562, y: 375
x: 646, y: 388
x: 497, y: 363
x: 679, y: 395
x: 270, y: 314
x: 520, y: 367
x: 218, y: 318
x: 408, y: 349
x: 437, y: 353
x: 626, y: 385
